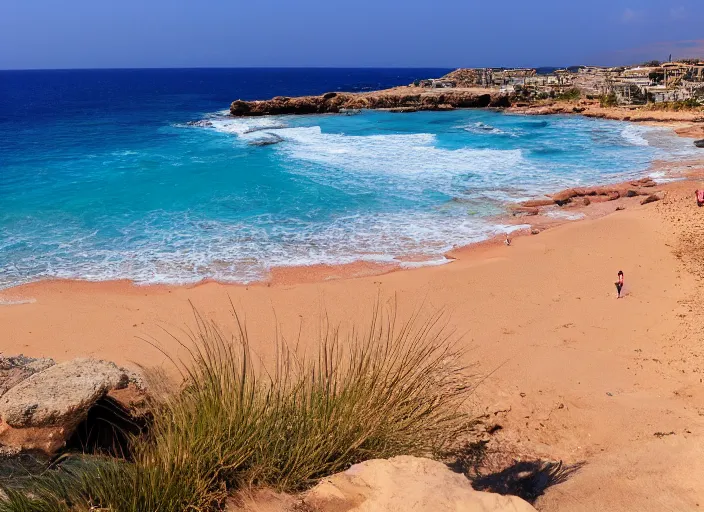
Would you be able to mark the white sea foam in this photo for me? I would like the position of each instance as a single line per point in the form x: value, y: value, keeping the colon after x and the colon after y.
x: 635, y: 134
x: 407, y: 163
x: 480, y: 128
x: 244, y: 252
x: 245, y: 127
x: 413, y: 162
x: 560, y: 214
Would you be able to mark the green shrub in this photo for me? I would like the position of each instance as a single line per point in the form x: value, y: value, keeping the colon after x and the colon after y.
x: 389, y: 390
x: 688, y: 104
x: 608, y: 100
x: 570, y: 95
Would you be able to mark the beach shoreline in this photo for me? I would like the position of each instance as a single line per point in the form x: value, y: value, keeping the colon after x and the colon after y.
x: 567, y: 371
x: 526, y: 217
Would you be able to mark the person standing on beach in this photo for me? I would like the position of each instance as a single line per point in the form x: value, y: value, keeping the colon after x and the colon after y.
x: 619, y: 283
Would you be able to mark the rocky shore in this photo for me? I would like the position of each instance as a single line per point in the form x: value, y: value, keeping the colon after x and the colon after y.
x: 687, y: 123
x: 584, y: 196
x: 399, y: 99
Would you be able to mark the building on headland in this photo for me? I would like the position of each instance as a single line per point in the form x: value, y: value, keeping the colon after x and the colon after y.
x: 652, y: 82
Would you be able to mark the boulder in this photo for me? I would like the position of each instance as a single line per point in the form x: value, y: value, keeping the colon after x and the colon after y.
x: 405, y: 483
x: 699, y: 143
x: 644, y: 182
x: 61, y: 395
x: 565, y: 196
x: 657, y: 196
x: 14, y: 370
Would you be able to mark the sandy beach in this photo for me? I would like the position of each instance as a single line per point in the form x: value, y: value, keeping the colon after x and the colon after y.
x: 568, y: 371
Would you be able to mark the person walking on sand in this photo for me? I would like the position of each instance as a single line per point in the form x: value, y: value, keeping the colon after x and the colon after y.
x: 619, y: 283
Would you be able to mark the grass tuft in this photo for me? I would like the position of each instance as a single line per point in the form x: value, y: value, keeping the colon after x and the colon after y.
x: 393, y: 388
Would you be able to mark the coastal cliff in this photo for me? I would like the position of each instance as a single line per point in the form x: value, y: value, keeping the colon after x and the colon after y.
x: 399, y: 99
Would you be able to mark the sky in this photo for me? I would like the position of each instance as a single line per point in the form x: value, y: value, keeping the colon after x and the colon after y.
x: 52, y: 34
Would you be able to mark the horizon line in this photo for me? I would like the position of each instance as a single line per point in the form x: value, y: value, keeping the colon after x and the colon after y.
x: 166, y: 68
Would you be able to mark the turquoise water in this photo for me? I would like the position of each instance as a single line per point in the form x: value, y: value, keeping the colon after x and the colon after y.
x: 140, y: 194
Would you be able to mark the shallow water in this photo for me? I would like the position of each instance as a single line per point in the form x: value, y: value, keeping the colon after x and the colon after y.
x: 102, y: 177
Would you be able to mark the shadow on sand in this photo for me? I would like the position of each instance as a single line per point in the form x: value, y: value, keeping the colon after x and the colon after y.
x: 527, y: 479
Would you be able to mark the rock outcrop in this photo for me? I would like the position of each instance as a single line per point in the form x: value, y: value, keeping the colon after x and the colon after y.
x: 593, y: 194
x: 43, y: 403
x: 400, y: 99
x: 406, y: 483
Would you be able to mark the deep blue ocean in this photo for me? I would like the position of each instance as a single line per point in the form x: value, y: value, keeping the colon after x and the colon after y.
x: 102, y: 176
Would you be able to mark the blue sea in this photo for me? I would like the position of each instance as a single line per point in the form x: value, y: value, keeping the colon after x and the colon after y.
x: 141, y: 174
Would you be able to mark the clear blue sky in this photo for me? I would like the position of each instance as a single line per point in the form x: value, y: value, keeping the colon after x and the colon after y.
x: 380, y: 33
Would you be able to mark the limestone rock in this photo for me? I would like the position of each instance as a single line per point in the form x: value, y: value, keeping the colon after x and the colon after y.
x: 61, y: 395
x: 565, y: 196
x: 47, y: 440
x: 14, y: 370
x: 401, y: 99
x: 408, y: 484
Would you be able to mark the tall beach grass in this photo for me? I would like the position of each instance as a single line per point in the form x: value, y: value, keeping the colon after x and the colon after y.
x: 390, y: 388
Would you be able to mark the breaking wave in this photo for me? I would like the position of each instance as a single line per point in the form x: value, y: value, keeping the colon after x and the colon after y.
x: 635, y: 135
x: 245, y: 252
x: 229, y: 198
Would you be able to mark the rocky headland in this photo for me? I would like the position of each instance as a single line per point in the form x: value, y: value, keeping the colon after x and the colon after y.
x: 414, y: 98
x: 398, y: 99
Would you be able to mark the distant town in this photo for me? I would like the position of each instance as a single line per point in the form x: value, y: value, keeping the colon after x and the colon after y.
x: 657, y: 82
